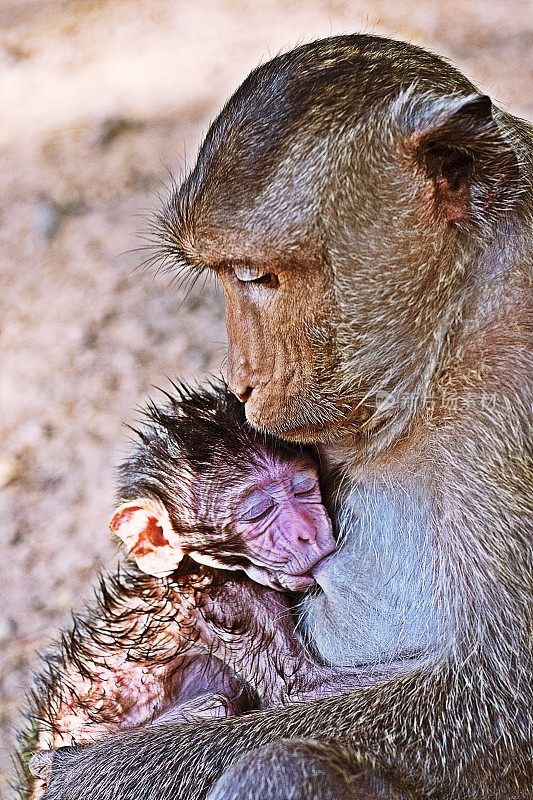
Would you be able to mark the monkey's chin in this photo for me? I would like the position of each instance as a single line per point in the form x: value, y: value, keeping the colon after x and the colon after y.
x: 281, y: 581
x: 310, y: 434
x: 343, y: 424
x: 324, y: 433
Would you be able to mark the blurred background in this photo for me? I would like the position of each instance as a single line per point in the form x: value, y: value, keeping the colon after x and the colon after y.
x: 99, y: 101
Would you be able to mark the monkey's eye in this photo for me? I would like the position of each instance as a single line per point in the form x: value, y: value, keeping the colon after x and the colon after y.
x: 304, y: 484
x: 255, y: 275
x: 256, y: 507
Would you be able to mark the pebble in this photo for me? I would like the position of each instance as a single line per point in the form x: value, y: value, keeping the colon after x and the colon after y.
x: 8, y: 628
x: 10, y: 469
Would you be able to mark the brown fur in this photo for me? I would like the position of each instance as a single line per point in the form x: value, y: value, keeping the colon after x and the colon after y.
x: 197, y: 644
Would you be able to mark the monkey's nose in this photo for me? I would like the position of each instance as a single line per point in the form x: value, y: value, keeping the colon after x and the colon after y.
x: 240, y: 377
x: 243, y: 394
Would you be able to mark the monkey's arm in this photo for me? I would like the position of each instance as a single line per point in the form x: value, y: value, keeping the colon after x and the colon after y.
x: 176, y: 761
x: 250, y: 629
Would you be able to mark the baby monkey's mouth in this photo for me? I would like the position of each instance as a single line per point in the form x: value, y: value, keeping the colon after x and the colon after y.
x: 280, y: 581
x: 293, y: 575
x: 295, y: 583
x: 298, y: 581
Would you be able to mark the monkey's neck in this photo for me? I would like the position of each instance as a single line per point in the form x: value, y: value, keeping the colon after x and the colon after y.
x: 350, y: 457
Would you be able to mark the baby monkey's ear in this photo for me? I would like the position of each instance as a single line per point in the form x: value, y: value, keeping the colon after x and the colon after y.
x: 146, y: 529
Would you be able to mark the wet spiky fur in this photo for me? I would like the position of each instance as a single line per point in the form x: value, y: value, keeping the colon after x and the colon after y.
x: 130, y: 607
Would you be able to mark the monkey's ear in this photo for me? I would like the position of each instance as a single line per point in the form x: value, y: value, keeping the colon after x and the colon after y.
x: 147, y: 531
x: 463, y: 151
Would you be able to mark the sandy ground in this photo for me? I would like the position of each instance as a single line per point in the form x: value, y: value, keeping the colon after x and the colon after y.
x: 98, y: 101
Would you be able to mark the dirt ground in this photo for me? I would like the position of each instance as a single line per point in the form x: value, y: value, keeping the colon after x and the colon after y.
x: 98, y: 101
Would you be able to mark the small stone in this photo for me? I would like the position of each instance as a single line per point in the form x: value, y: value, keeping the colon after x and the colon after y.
x: 47, y: 218
x: 8, y: 628
x: 50, y: 214
x: 10, y: 469
x: 113, y: 127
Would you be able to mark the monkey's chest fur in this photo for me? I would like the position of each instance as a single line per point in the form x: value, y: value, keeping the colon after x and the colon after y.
x: 377, y: 597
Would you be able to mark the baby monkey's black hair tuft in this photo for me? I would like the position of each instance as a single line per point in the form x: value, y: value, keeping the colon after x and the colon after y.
x: 199, y: 431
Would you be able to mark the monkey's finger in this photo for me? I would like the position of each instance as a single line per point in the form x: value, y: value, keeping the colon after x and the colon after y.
x: 41, y: 763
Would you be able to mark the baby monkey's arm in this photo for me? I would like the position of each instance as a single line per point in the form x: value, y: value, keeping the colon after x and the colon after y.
x: 115, y: 666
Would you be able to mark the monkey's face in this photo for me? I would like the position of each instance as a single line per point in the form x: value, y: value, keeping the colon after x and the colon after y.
x: 338, y: 214
x: 282, y: 360
x: 268, y: 521
x: 271, y: 523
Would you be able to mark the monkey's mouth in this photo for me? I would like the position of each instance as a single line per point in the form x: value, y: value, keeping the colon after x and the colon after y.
x: 288, y: 581
x: 295, y: 583
x: 302, y: 581
x: 322, y: 565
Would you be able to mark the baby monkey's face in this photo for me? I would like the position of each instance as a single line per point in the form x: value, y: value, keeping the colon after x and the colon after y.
x: 271, y: 523
x: 268, y: 521
x: 275, y: 521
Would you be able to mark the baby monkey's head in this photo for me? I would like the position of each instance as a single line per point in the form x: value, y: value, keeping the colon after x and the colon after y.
x: 202, y: 483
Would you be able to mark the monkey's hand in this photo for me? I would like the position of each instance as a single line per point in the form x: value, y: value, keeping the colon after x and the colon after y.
x: 41, y: 766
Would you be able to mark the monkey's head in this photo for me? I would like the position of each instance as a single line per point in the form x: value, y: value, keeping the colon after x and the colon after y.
x: 341, y: 198
x: 203, y: 483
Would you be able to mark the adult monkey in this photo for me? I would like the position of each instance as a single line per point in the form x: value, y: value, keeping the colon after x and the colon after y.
x: 369, y: 216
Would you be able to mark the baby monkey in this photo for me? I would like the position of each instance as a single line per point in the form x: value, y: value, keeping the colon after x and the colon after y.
x: 202, y: 483
x: 204, y: 502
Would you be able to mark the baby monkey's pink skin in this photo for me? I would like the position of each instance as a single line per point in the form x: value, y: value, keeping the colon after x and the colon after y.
x: 271, y: 524
x: 199, y: 645
x: 279, y: 518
